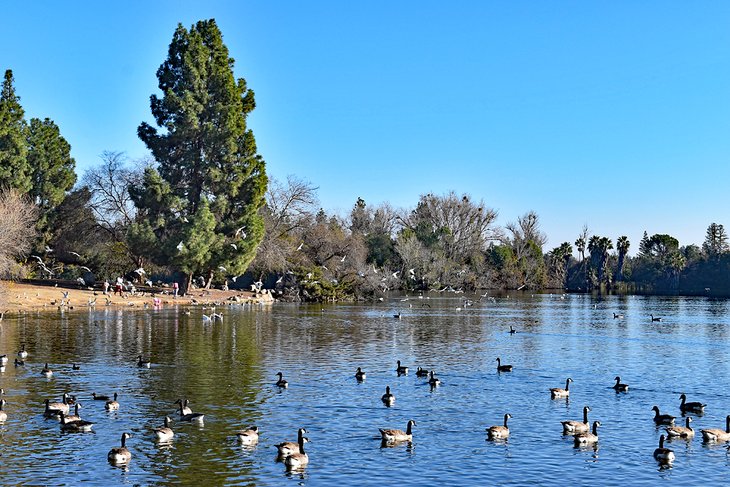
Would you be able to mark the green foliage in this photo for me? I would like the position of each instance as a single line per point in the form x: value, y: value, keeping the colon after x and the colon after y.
x: 14, y: 169
x: 208, y: 166
x: 715, y: 244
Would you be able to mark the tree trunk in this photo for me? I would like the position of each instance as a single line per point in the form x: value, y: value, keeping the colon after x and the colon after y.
x: 186, y: 284
x: 210, y: 279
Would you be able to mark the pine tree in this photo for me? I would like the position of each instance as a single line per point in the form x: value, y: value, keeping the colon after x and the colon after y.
x: 14, y: 171
x: 208, y: 165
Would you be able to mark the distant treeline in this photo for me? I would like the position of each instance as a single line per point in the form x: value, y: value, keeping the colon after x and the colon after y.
x: 202, y: 210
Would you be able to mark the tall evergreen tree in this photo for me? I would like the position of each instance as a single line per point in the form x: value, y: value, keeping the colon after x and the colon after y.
x: 715, y: 243
x: 14, y: 171
x: 211, y: 179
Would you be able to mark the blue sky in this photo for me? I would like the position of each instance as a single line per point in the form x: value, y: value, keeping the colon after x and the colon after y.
x: 610, y: 114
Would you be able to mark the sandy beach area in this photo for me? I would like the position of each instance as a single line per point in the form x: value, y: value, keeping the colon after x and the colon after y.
x: 17, y: 297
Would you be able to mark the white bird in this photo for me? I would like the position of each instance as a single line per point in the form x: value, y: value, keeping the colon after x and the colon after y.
x: 412, y: 271
x: 240, y: 231
x: 39, y: 259
x: 221, y: 268
x: 234, y: 278
x: 343, y: 258
x: 75, y: 253
x: 180, y: 246
x: 395, y: 274
x: 278, y: 281
x: 85, y: 268
x: 185, y: 219
x: 140, y: 271
x: 207, y: 318
x: 65, y: 294
x: 300, y: 246
x: 48, y: 249
x: 148, y: 282
x: 235, y: 247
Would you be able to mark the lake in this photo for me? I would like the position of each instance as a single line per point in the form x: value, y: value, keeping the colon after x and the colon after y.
x: 227, y: 370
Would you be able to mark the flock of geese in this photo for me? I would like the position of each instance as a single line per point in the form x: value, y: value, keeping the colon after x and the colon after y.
x: 292, y: 453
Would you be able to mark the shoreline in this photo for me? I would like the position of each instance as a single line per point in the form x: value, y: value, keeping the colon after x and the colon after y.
x: 18, y: 297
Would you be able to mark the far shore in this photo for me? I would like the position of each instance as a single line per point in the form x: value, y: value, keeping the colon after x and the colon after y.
x: 17, y: 297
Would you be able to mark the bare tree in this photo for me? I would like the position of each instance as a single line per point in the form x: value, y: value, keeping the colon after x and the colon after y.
x: 17, y: 221
x: 526, y: 230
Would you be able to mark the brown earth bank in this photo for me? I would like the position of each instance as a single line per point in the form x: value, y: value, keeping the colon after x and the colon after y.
x: 16, y: 296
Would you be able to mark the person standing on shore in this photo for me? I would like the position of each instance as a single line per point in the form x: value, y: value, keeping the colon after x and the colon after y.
x: 175, y: 288
x: 106, y: 286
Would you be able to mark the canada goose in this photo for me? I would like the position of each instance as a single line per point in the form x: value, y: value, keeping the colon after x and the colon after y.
x: 22, y: 354
x: 661, y: 454
x: 397, y: 316
x: 617, y: 316
x: 503, y: 368
x: 394, y: 436
x: 300, y: 459
x: 112, y: 405
x: 691, y: 407
x: 75, y: 425
x: 433, y: 381
x: 98, y: 397
x: 144, y: 364
x: 3, y: 414
x: 190, y: 417
x: 19, y: 363
x: 120, y: 455
x: 75, y: 367
x: 165, y: 433
x: 512, y: 331
x: 717, y: 435
x: 401, y: 369
x: 655, y: 319
x: 388, y: 398
x: 249, y: 436
x: 619, y: 386
x: 46, y: 371
x: 499, y: 432
x: 3, y: 359
x: 289, y: 447
x: 588, y: 438
x: 281, y: 382
x: 75, y: 416
x: 556, y: 392
x: 185, y: 408
x: 421, y: 372
x: 360, y: 375
x: 681, y: 431
x: 662, y: 418
x: 573, y: 427
x: 55, y: 408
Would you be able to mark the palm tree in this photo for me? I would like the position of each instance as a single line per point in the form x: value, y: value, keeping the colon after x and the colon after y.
x: 622, y: 245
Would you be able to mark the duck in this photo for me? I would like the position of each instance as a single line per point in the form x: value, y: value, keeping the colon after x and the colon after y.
x: 120, y: 455
x: 556, y: 392
x: 685, y: 432
x: 360, y: 375
x: 281, y: 382
x: 717, y: 435
x: 661, y: 454
x: 22, y: 353
x: 164, y: 434
x: 499, y: 432
x: 574, y: 427
x: 433, y: 381
x: 401, y: 369
x: 287, y: 448
x: 144, y: 364
x: 619, y: 387
x: 300, y: 459
x: 421, y: 372
x: 691, y: 407
x: 99, y: 397
x: 388, y: 398
x: 503, y: 368
x: 3, y: 414
x: 190, y: 417
x: 75, y: 425
x: 588, y: 438
x: 112, y: 405
x: 185, y: 408
x: 662, y: 418
x: 46, y: 371
x: 394, y: 436
x: 249, y: 436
